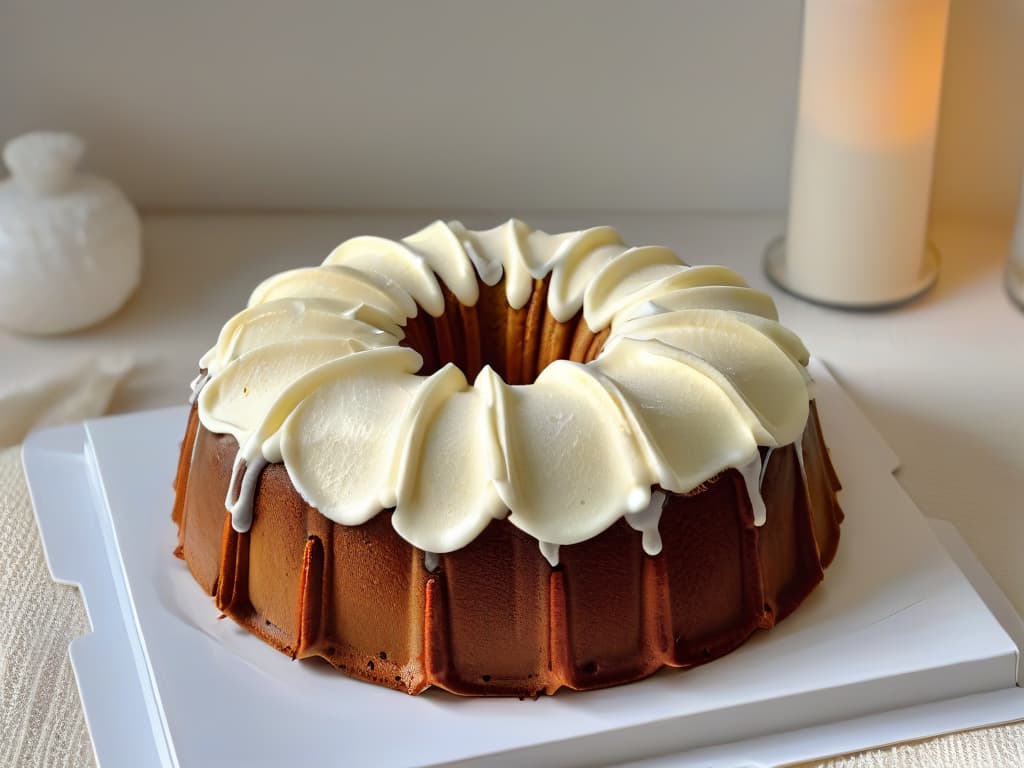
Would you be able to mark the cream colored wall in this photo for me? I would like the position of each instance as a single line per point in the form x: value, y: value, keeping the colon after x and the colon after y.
x: 459, y: 104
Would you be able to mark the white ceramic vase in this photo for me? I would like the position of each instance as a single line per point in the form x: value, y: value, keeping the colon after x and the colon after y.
x: 70, y: 243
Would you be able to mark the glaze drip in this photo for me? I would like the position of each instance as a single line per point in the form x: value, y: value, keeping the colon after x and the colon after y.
x: 764, y: 466
x: 196, y: 386
x: 245, y: 473
x: 799, y: 446
x: 431, y: 560
x: 751, y: 472
x: 550, y: 552
x: 647, y: 522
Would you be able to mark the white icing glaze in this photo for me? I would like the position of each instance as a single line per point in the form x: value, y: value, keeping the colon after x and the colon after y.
x: 798, y: 449
x: 572, y: 467
x: 696, y: 374
x: 245, y: 474
x: 550, y: 552
x: 647, y: 520
x: 431, y: 560
x: 798, y: 446
x: 294, y: 320
x: 237, y: 397
x: 622, y: 280
x: 196, y: 386
x: 446, y: 438
x: 756, y: 374
x: 343, y: 285
x: 751, y: 472
x: 764, y: 465
x: 490, y: 272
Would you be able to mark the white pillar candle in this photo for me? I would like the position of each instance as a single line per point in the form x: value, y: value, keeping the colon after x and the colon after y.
x: 870, y: 80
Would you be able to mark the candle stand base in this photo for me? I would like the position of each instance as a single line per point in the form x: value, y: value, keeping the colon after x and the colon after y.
x: 775, y: 268
x: 1015, y: 282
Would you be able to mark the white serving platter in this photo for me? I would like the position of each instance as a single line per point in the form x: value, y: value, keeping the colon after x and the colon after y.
x: 900, y: 642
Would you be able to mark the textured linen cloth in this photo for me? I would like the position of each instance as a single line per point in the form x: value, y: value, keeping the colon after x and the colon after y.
x: 41, y: 723
x: 999, y: 747
x: 79, y: 392
x: 40, y: 714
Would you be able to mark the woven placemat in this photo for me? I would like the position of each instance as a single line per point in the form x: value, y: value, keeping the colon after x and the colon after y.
x: 41, y: 724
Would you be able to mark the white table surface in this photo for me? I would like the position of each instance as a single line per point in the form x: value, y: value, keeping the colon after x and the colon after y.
x: 942, y: 378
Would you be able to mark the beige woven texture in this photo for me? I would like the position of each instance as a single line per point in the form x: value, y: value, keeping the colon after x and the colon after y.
x: 40, y: 714
x: 1000, y: 747
x: 41, y: 723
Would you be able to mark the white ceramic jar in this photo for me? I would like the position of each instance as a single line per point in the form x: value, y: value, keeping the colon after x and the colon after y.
x: 70, y: 243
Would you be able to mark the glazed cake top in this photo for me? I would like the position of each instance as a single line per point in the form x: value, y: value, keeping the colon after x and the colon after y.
x: 696, y: 373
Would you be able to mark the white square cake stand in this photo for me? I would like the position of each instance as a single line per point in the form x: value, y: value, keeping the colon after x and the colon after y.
x: 906, y: 638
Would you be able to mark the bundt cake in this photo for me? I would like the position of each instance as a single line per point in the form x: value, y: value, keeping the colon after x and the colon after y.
x: 502, y: 462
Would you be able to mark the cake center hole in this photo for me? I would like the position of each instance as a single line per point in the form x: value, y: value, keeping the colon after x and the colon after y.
x: 518, y: 343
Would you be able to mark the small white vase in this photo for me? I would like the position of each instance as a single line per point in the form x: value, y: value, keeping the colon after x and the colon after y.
x: 70, y: 243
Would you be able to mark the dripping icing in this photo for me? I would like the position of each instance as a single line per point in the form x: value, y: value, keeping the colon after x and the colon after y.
x: 490, y: 272
x: 764, y: 467
x: 798, y: 446
x: 550, y: 552
x: 751, y: 472
x: 196, y: 386
x: 431, y: 560
x: 245, y: 472
x: 647, y: 520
